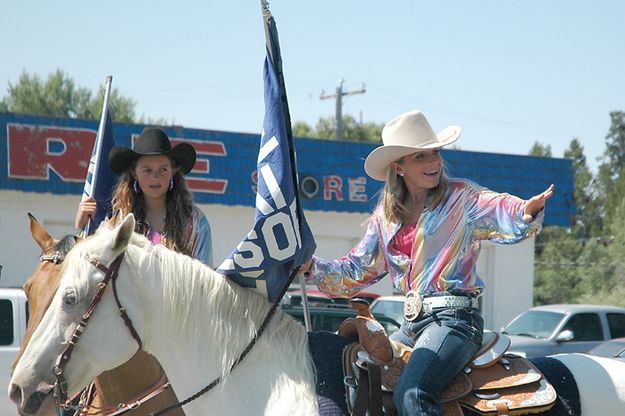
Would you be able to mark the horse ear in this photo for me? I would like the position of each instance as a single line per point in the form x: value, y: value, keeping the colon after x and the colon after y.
x: 124, y: 232
x: 111, y: 222
x: 115, y: 218
x: 40, y: 235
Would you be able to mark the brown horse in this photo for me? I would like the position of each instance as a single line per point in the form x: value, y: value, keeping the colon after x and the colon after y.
x: 124, y: 384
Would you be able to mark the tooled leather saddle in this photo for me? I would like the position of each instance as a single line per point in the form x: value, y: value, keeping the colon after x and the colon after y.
x: 493, y: 383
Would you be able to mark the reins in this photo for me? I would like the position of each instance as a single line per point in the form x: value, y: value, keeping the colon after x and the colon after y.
x: 247, y: 349
x: 152, y: 391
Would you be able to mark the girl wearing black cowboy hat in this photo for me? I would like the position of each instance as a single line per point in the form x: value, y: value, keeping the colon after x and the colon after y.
x: 151, y: 185
x: 425, y: 234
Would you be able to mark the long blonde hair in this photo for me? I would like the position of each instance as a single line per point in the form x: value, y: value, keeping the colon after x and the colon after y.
x: 179, y: 208
x: 394, y: 193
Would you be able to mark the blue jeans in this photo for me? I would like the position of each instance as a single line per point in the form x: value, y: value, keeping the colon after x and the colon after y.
x: 443, y: 343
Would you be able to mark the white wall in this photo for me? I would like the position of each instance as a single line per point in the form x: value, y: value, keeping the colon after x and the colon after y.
x: 507, y: 270
x: 19, y: 253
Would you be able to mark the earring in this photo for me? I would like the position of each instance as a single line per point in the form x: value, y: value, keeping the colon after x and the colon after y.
x: 171, y: 183
x: 135, y: 186
x: 401, y: 174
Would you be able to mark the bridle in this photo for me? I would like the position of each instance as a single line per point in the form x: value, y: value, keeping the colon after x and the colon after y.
x: 110, y: 275
x: 55, y: 258
x: 59, y: 253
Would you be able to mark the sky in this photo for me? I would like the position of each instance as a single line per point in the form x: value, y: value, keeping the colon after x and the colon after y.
x: 509, y: 73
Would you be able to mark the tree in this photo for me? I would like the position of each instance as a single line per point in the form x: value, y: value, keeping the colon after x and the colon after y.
x: 303, y: 129
x: 58, y: 96
x: 588, y: 219
x: 614, y: 198
x: 556, y: 275
x: 540, y: 150
x: 353, y: 130
x: 613, y: 162
x: 615, y: 143
x: 586, y: 264
x: 603, y: 277
x: 557, y: 250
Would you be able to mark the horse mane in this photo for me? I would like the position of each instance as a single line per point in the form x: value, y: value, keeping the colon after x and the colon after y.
x: 65, y: 244
x: 204, y: 303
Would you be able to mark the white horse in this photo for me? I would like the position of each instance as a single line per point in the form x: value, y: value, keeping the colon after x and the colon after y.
x: 196, y: 323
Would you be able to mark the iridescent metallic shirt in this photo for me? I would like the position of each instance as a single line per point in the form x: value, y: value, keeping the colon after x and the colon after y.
x: 445, y: 249
x: 198, y: 237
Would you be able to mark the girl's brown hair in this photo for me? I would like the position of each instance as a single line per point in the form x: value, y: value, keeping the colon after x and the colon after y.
x: 179, y: 208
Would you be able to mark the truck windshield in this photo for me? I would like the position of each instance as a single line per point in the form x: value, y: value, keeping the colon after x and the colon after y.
x: 536, y: 324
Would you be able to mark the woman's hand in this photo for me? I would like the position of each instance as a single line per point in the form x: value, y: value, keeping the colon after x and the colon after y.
x: 86, y: 210
x: 305, y: 268
x: 536, y: 204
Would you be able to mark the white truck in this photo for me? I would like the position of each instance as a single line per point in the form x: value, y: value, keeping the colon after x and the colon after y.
x: 13, y: 320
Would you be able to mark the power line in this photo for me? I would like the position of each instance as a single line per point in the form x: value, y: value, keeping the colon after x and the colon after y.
x: 605, y: 240
x: 579, y: 264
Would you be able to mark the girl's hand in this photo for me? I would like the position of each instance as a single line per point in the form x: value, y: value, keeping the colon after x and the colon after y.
x: 86, y: 210
x: 536, y: 204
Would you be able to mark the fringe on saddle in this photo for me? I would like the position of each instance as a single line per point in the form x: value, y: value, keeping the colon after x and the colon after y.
x: 493, y: 383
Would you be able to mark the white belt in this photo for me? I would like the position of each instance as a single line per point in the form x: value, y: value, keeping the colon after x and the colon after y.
x: 416, y: 304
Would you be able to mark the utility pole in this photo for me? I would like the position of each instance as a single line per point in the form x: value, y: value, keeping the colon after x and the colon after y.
x: 339, y: 104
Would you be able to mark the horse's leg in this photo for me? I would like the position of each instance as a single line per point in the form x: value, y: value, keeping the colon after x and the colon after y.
x: 130, y: 380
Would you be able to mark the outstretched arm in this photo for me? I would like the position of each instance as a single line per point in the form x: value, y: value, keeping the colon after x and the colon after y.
x: 536, y: 204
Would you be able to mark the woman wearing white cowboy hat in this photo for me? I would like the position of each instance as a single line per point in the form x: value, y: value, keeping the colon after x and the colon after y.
x: 151, y: 185
x: 425, y: 233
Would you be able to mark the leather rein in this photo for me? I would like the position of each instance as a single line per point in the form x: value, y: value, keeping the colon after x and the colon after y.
x: 60, y: 386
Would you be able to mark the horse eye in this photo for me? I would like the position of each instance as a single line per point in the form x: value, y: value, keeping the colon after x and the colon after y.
x: 70, y: 298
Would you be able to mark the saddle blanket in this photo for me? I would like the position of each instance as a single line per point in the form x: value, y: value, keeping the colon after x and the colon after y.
x: 326, y: 349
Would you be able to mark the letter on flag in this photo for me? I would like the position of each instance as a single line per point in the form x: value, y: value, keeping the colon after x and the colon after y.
x: 280, y: 238
x: 100, y: 179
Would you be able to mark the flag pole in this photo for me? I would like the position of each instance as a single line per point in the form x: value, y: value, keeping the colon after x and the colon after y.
x: 271, y: 40
x: 98, y: 144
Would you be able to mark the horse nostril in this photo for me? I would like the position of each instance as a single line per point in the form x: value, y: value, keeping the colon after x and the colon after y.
x: 15, y: 394
x: 34, y: 402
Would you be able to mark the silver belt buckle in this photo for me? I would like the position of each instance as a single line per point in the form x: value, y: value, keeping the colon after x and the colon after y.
x: 412, y: 305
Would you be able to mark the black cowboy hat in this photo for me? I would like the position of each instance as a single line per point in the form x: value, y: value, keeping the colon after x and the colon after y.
x: 152, y: 142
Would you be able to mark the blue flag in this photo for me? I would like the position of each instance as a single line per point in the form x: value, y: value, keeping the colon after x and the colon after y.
x: 280, y: 238
x: 100, y: 179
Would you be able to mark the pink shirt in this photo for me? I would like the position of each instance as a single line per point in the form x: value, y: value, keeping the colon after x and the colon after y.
x: 154, y: 237
x: 404, y: 239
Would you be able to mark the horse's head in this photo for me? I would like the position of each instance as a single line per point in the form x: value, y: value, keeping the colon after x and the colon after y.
x: 41, y: 286
x: 100, y: 346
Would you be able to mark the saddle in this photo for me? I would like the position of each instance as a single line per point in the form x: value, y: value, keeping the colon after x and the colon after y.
x: 493, y: 383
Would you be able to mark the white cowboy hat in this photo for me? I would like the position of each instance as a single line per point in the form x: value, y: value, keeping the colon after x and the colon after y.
x: 404, y: 135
